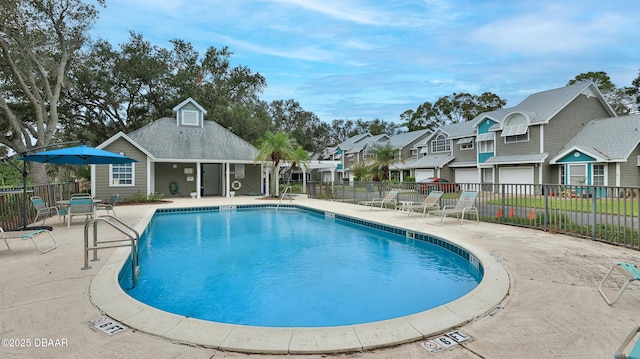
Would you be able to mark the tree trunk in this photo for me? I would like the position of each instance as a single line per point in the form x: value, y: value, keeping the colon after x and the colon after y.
x: 38, y: 173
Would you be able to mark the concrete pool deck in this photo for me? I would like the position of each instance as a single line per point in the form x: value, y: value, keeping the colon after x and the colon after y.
x: 552, y: 306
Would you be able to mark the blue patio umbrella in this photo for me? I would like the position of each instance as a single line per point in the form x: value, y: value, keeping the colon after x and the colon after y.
x: 78, y: 155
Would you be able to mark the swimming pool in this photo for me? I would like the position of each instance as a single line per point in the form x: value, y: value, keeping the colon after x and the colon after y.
x: 252, y: 265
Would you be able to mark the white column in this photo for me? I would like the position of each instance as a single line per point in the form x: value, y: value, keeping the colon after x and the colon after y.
x: 198, y: 179
x: 227, y: 180
x: 304, y: 179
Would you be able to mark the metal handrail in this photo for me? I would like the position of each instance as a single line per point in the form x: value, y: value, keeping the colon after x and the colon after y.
x: 288, y: 188
x: 132, y: 241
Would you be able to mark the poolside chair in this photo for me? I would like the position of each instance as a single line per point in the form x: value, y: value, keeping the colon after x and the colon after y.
x: 391, y: 197
x: 465, y: 205
x: 631, y: 274
x: 430, y: 202
x: 109, y: 205
x: 43, y: 209
x: 29, y: 235
x: 635, y: 351
x: 80, y: 206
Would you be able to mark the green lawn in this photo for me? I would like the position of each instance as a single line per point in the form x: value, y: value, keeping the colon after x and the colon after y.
x: 603, y: 205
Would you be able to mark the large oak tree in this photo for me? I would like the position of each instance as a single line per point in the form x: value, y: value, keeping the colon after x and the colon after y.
x: 38, y: 39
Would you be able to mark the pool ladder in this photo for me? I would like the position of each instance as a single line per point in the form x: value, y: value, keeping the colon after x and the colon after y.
x: 284, y: 193
x: 130, y: 241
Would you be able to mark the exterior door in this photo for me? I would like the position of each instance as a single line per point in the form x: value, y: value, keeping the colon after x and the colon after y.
x: 212, y: 179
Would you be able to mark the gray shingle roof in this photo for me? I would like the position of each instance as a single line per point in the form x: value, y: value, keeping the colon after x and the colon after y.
x: 542, y: 106
x: 404, y: 139
x: 514, y: 159
x: 163, y: 139
x: 612, y: 139
x: 431, y: 161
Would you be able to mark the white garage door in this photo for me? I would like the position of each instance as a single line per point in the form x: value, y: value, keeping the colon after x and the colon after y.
x: 516, y: 175
x: 422, y: 174
x: 465, y: 176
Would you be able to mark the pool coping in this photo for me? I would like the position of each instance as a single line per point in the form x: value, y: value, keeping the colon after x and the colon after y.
x: 106, y: 294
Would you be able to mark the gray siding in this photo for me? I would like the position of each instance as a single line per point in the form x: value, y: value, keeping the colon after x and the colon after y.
x: 464, y: 155
x: 569, y: 121
x: 102, y: 180
x: 629, y: 171
x: 519, y: 148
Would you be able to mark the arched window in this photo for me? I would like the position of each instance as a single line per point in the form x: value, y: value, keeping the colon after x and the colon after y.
x: 516, y: 128
x: 440, y: 144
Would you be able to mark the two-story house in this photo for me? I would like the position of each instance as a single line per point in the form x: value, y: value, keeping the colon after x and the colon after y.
x: 606, y: 152
x: 514, y: 144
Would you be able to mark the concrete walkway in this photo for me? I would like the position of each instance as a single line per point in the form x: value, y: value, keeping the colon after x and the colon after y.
x: 552, y: 310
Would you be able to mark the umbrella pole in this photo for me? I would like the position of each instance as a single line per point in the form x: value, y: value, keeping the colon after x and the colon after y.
x: 24, y: 195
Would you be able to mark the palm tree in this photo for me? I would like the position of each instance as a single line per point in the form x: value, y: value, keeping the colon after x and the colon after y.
x: 300, y: 157
x: 362, y: 171
x: 275, y: 147
x: 384, y: 157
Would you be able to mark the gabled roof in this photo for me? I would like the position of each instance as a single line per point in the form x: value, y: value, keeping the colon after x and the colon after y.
x: 360, y: 145
x: 347, y: 144
x: 461, y: 129
x: 189, y: 100
x: 164, y: 140
x: 611, y: 139
x: 543, y: 106
x: 404, y: 139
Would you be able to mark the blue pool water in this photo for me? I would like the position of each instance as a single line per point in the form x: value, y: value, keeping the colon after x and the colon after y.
x: 291, y: 268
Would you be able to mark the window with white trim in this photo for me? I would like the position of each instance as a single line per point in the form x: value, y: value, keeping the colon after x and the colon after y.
x: 122, y: 175
x: 598, y: 175
x: 466, y: 143
x: 563, y: 175
x: 440, y: 144
x: 487, y: 175
x: 485, y: 142
x: 516, y: 129
x: 190, y: 118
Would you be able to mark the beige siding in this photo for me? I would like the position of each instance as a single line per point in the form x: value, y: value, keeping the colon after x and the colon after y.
x: 102, y: 180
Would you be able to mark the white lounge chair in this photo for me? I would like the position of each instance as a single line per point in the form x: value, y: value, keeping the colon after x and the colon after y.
x: 29, y: 234
x: 430, y: 203
x: 109, y: 205
x: 390, y: 197
x: 43, y: 209
x: 80, y: 206
x: 631, y: 274
x: 465, y: 205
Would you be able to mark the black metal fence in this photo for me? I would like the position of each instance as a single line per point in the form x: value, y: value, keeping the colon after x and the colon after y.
x: 603, y: 213
x: 12, y: 202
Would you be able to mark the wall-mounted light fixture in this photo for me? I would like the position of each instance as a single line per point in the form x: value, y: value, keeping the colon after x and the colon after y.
x: 175, y: 166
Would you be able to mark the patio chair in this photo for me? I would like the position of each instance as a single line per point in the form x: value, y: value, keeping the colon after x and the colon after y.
x: 430, y: 202
x: 391, y: 197
x: 29, y: 235
x: 465, y: 205
x: 629, y: 271
x: 635, y: 351
x: 80, y: 206
x: 109, y: 205
x: 43, y: 209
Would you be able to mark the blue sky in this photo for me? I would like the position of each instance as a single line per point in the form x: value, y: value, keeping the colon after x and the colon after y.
x: 366, y: 59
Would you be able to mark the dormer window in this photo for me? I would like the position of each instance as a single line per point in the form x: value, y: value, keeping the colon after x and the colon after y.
x: 189, y: 114
x: 190, y: 118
